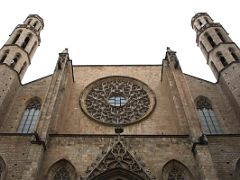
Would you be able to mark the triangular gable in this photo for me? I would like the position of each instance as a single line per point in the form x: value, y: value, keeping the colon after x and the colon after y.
x: 116, y: 157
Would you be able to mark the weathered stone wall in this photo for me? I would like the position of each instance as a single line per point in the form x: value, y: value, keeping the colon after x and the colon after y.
x: 155, y: 152
x: 158, y: 122
x: 14, y: 150
x: 228, y: 81
x: 9, y: 84
x: 225, y: 154
x: 83, y: 145
x: 20, y: 100
x: 220, y: 103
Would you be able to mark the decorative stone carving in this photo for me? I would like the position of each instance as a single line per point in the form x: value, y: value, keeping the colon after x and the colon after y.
x: 174, y: 170
x: 62, y: 170
x: 118, y: 157
x: 203, y: 102
x: 175, y: 174
x: 137, y: 100
x: 62, y: 174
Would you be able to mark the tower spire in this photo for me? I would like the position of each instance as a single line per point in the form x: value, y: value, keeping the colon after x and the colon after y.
x: 18, y: 51
x: 215, y: 43
x: 15, y: 57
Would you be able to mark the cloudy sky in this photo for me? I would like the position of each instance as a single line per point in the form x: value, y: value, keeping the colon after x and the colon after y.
x: 118, y: 31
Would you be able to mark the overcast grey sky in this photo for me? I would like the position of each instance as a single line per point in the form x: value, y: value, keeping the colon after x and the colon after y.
x: 118, y: 31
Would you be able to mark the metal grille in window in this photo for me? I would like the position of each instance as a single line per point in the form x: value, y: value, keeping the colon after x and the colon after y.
x: 207, y: 117
x: 30, y: 117
x: 62, y: 174
x: 175, y: 174
x: 117, y: 100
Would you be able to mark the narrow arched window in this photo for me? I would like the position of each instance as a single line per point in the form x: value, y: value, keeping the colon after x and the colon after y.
x: 206, y: 19
x: 16, y: 37
x: 200, y: 23
x: 35, y: 24
x: 207, y: 117
x: 220, y: 35
x: 15, y: 60
x: 210, y: 40
x: 174, y: 170
x: 222, y: 59
x: 25, y: 42
x: 30, y: 117
x: 234, y: 55
x: 4, y: 56
x: 29, y: 21
x: 62, y: 170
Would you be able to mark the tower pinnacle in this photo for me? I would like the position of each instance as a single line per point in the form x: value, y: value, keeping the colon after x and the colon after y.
x: 18, y: 51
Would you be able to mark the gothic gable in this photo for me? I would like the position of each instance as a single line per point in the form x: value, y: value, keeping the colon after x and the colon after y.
x: 120, y: 161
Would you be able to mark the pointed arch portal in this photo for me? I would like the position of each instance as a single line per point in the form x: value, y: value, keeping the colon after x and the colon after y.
x: 118, y: 174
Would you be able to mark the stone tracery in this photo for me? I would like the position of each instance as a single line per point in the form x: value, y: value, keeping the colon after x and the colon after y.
x: 139, y: 100
x: 118, y: 157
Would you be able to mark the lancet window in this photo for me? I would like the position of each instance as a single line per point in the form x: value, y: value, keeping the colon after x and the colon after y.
x: 30, y: 117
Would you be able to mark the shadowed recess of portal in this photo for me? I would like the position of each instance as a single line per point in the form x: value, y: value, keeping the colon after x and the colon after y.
x: 118, y: 174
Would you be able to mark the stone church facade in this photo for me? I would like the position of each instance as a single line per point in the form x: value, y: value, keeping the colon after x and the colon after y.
x: 126, y: 122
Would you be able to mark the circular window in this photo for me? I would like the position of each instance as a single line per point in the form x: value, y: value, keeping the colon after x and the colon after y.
x: 117, y: 100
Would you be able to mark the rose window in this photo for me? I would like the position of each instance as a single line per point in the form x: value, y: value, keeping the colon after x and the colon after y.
x: 117, y: 100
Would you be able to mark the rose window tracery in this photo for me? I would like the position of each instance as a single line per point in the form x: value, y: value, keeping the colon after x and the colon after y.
x: 117, y: 100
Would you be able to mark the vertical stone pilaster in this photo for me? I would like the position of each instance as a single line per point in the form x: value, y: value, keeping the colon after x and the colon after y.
x: 205, y: 163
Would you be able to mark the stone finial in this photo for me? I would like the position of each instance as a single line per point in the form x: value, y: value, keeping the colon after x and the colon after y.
x: 65, y: 50
x: 169, y: 49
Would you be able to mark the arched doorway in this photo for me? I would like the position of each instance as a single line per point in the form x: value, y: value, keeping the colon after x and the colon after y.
x: 118, y: 174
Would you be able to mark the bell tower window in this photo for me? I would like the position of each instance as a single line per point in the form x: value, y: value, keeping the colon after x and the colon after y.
x: 17, y: 37
x: 29, y: 21
x: 25, y: 43
x: 234, y: 55
x: 210, y: 40
x: 222, y: 59
x: 220, y: 35
x: 4, y: 56
x: 15, y: 60
x: 206, y: 19
x: 35, y: 24
x: 200, y: 23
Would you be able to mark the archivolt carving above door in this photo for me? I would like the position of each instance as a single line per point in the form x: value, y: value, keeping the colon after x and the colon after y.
x: 118, y: 163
